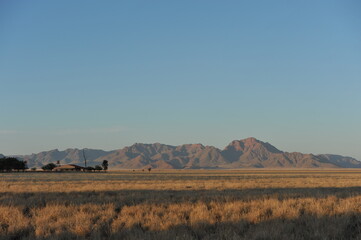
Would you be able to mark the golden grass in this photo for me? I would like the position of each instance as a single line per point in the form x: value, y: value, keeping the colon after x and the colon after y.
x: 234, y: 204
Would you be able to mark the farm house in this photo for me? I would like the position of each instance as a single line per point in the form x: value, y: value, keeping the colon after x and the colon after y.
x: 68, y: 167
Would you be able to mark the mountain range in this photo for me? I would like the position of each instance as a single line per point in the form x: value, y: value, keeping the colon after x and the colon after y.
x: 246, y: 153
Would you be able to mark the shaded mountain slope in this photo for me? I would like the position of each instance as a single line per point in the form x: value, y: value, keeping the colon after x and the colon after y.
x: 341, y: 161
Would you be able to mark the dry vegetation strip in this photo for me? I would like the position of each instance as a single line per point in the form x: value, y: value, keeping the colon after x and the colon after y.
x: 181, y: 205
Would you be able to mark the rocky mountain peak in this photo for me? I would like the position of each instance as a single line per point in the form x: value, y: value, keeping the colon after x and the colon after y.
x: 251, y: 144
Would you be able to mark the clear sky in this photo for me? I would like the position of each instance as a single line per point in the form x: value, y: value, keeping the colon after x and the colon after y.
x: 107, y: 74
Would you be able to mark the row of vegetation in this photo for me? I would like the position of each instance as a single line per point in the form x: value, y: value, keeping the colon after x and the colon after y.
x: 9, y: 164
x: 104, y: 166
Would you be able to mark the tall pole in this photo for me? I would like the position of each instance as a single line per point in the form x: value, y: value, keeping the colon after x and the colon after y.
x: 84, y: 156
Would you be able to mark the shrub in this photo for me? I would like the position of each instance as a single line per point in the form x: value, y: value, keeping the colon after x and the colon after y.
x: 49, y: 167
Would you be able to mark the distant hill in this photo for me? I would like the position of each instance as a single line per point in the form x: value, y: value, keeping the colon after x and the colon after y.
x: 345, y: 162
x: 246, y: 153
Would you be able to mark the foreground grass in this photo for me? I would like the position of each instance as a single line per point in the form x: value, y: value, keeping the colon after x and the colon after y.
x: 181, y: 205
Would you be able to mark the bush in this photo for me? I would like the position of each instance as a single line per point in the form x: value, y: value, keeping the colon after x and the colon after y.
x: 49, y: 167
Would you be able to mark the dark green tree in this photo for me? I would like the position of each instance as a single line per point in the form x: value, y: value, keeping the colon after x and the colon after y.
x: 105, y: 165
x: 49, y: 167
x: 19, y: 165
x: 10, y: 163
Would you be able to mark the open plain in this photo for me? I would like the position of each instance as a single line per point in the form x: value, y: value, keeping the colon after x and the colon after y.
x: 182, y: 204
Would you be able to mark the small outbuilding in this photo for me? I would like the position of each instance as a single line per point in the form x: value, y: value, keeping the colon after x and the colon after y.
x: 68, y: 167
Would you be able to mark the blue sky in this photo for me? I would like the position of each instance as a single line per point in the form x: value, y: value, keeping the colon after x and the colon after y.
x: 105, y: 75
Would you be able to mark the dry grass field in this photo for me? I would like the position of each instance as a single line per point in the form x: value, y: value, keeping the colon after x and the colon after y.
x: 198, y: 204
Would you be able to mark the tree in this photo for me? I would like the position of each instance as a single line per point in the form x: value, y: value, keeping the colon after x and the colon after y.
x: 105, y: 165
x: 98, y: 168
x: 49, y: 167
x: 19, y: 165
x: 10, y: 163
x: 149, y: 169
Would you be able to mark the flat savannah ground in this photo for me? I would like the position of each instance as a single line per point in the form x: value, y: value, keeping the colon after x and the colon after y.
x: 182, y: 204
